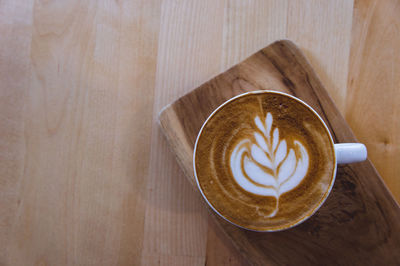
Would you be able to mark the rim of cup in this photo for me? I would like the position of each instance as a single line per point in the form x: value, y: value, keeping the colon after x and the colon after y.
x: 309, y: 213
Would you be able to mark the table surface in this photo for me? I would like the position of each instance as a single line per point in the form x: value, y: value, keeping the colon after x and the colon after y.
x: 86, y: 177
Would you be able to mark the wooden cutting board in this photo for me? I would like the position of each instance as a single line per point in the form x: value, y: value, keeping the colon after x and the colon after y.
x: 359, y: 222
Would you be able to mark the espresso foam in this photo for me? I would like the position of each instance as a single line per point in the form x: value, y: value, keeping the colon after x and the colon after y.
x: 267, y: 166
x: 264, y: 161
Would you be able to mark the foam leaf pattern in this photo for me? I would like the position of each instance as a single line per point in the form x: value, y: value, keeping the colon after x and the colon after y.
x: 266, y: 165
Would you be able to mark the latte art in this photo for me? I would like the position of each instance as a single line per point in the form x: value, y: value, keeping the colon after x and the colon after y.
x: 264, y: 161
x: 268, y: 167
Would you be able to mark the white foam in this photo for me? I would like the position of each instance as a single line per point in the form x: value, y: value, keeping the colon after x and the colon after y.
x: 258, y: 175
x: 275, y: 139
x: 280, y: 153
x: 260, y: 156
x: 269, y: 168
x: 236, y: 168
x: 268, y: 124
x: 301, y: 171
x: 260, y: 125
x: 261, y: 141
x: 287, y: 168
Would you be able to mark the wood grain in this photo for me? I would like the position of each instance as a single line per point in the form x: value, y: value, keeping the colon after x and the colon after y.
x: 80, y: 150
x: 360, y: 212
x: 85, y: 174
x: 329, y: 22
x: 15, y: 42
x: 373, y: 101
x: 175, y: 222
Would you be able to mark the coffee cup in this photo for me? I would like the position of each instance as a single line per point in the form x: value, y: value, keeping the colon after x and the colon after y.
x: 266, y: 161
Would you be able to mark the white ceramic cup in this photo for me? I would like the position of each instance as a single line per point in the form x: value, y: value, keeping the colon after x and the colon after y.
x: 344, y: 153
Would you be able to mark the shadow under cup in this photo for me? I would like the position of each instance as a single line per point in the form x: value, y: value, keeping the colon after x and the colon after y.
x: 264, y: 161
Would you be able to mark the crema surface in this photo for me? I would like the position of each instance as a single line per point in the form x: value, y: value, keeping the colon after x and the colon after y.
x: 264, y: 161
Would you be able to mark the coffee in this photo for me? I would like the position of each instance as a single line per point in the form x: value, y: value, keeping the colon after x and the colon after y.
x: 264, y: 161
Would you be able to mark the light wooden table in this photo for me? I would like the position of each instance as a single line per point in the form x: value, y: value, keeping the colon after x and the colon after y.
x: 86, y: 177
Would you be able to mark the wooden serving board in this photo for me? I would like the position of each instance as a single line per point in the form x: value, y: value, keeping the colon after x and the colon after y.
x: 359, y: 222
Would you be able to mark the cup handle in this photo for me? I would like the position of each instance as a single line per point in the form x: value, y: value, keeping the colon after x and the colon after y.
x: 350, y: 152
